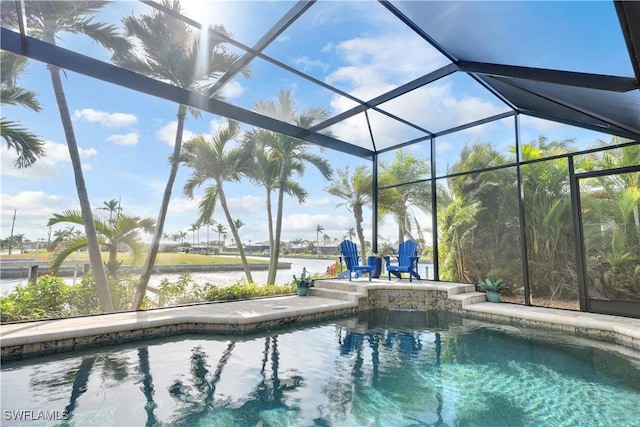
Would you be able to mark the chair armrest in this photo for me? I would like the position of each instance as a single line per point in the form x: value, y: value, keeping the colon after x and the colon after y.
x: 387, y: 260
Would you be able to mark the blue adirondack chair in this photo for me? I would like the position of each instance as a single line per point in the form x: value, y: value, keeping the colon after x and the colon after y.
x: 407, y: 261
x: 350, y: 255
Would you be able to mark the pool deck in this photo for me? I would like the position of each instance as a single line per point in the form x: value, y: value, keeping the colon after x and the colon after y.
x: 329, y: 299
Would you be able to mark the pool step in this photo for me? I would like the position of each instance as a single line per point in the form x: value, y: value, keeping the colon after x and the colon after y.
x: 340, y: 285
x: 335, y: 294
x: 336, y: 289
x: 469, y: 297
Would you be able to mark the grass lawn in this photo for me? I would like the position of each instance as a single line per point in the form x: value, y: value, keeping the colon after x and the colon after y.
x: 161, y: 259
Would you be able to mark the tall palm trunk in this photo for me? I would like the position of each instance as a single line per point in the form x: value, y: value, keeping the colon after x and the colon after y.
x: 112, y: 263
x: 270, y: 220
x: 147, y: 385
x: 95, y: 257
x: 234, y: 231
x: 357, y: 213
x: 275, y: 252
x: 164, y: 207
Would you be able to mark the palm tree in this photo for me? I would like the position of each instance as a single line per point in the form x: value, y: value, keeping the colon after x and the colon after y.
x: 399, y: 201
x: 60, y: 236
x: 292, y: 155
x: 267, y: 171
x: 350, y: 234
x: 173, y: 53
x: 47, y: 19
x: 112, y: 206
x: 28, y: 145
x: 210, y: 160
x: 125, y: 230
x: 356, y: 192
x: 194, y: 226
x: 220, y: 229
x: 209, y: 223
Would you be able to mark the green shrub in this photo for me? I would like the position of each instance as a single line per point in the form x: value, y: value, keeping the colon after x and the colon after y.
x: 52, y: 298
x: 47, y: 298
x: 243, y: 291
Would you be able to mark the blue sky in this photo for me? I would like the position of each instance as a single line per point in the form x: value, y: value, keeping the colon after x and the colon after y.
x: 125, y: 137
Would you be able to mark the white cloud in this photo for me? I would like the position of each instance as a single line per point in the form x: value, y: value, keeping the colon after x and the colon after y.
x: 306, y: 63
x: 180, y: 205
x: 366, y: 74
x: 167, y: 133
x: 443, y: 146
x: 243, y: 205
x: 104, y: 118
x: 233, y: 90
x: 368, y: 71
x: 33, y: 210
x: 126, y: 139
x: 217, y: 124
x: 303, y: 224
x: 316, y: 202
x: 48, y: 166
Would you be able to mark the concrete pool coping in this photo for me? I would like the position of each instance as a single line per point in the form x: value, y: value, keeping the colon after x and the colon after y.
x: 329, y: 299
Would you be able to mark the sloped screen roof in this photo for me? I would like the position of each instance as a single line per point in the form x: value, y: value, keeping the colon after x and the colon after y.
x: 393, y: 73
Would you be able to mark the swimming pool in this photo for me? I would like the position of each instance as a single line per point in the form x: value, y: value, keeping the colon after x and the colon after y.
x: 386, y: 368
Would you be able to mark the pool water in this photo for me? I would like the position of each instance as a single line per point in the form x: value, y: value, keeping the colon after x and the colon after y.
x: 384, y: 368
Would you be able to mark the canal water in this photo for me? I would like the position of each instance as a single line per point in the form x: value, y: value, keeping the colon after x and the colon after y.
x: 228, y: 278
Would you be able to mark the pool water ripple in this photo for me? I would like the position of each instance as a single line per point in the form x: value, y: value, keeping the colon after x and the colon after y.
x: 359, y: 371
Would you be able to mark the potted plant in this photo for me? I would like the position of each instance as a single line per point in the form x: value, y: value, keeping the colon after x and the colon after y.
x: 303, y: 283
x: 493, y: 288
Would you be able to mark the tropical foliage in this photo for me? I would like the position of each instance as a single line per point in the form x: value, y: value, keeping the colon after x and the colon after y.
x: 172, y: 51
x: 123, y: 231
x: 51, y: 297
x: 213, y: 160
x: 288, y: 156
x: 491, y: 285
x: 48, y: 20
x: 356, y: 190
x: 402, y: 201
x: 186, y: 290
x: 27, y: 145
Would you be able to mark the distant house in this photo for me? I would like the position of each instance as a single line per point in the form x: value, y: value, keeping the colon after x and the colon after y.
x: 259, y: 247
x: 329, y: 247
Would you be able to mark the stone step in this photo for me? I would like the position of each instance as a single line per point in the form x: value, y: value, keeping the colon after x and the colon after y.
x: 340, y: 285
x: 469, y: 297
x: 334, y: 294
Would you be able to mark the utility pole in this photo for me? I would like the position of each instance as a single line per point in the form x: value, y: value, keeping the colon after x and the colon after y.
x: 12, y: 224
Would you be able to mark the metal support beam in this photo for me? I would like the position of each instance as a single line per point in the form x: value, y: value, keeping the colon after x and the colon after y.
x: 566, y: 78
x: 524, y: 257
x: 400, y: 90
x: 283, y: 23
x: 629, y: 17
x: 576, y: 213
x: 615, y: 125
x: 434, y: 213
x: 63, y: 58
